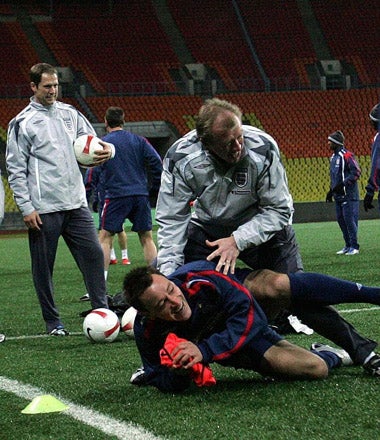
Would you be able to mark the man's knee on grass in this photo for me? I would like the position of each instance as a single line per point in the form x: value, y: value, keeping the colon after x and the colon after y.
x: 288, y: 361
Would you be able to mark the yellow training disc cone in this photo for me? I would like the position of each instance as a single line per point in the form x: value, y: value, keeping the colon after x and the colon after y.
x: 44, y: 404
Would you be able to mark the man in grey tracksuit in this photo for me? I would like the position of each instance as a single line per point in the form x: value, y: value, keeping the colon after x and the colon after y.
x: 48, y: 188
x: 233, y: 177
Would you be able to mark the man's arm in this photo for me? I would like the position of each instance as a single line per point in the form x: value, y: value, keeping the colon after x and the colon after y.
x: 374, y: 177
x: 173, y: 214
x: 243, y: 318
x: 154, y: 162
x: 17, y: 157
x: 354, y: 170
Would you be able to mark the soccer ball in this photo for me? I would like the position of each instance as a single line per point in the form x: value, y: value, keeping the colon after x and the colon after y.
x: 84, y: 147
x: 101, y: 325
x: 128, y: 320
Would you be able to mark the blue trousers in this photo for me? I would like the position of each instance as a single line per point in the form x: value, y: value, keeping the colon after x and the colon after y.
x: 347, y: 215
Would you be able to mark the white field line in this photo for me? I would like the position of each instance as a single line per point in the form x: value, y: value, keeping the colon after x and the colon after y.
x: 45, y: 335
x: 364, y: 309
x: 15, y: 338
x: 106, y: 424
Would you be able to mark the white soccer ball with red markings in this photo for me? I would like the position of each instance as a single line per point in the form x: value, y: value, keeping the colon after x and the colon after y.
x: 84, y: 149
x: 101, y: 325
x: 128, y: 320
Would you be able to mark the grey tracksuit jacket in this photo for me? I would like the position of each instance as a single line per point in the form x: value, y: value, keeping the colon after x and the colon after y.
x: 43, y: 172
x: 249, y: 199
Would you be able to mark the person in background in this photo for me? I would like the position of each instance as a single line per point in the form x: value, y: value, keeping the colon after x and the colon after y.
x: 95, y: 198
x: 374, y: 177
x: 344, y: 175
x: 128, y: 179
x: 49, y: 191
x: 2, y: 209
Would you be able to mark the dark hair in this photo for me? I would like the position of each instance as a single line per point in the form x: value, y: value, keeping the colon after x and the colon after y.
x: 115, y: 117
x: 136, y: 282
x: 37, y: 70
x: 209, y: 111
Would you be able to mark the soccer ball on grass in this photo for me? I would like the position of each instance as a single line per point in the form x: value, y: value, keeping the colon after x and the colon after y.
x: 128, y: 320
x: 101, y: 325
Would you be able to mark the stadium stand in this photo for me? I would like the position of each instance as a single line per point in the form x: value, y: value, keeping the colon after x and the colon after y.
x: 280, y: 38
x: 352, y: 28
x: 215, y: 38
x: 138, y: 47
x: 126, y: 57
x: 17, y: 54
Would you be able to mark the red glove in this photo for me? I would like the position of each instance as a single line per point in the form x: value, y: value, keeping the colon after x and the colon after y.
x: 201, y: 374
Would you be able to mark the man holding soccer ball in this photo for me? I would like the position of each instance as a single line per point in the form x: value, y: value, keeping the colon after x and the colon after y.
x: 48, y: 188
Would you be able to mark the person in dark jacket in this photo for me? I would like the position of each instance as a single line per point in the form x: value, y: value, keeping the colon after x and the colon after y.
x: 373, y: 184
x: 344, y: 175
x: 197, y: 316
x: 134, y: 174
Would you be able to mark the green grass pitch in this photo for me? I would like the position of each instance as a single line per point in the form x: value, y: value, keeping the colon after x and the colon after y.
x: 241, y: 406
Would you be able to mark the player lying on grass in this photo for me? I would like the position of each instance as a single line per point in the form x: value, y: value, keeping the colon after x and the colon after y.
x: 216, y: 320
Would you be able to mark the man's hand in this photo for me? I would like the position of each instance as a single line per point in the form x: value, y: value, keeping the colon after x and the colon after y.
x: 368, y: 202
x: 227, y: 252
x: 33, y: 221
x: 329, y: 196
x: 101, y: 156
x: 185, y: 355
x: 339, y: 189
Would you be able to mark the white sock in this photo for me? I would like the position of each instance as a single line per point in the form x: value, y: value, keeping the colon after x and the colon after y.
x: 112, y: 255
x: 105, y: 274
x: 124, y: 253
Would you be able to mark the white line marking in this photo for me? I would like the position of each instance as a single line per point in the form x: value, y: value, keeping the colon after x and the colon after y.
x: 364, y: 309
x: 17, y: 338
x: 106, y: 424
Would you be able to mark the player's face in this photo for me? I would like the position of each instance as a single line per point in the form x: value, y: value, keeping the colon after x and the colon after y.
x: 228, y: 140
x: 164, y: 300
x: 46, y: 91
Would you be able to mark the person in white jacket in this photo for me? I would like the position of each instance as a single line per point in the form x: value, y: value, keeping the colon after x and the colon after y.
x: 48, y: 188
